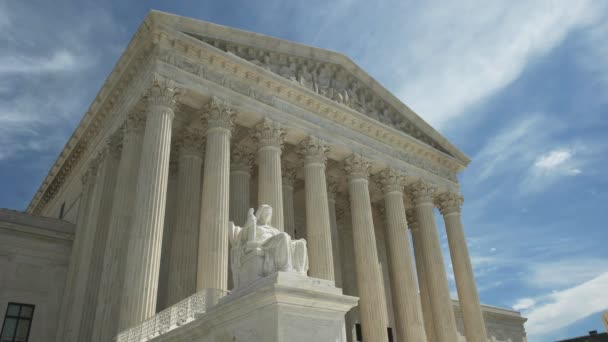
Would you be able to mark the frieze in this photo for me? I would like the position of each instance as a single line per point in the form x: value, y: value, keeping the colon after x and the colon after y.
x: 211, y: 73
x: 327, y: 79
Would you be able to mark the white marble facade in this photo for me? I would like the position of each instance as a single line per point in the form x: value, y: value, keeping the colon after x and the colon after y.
x: 198, y: 123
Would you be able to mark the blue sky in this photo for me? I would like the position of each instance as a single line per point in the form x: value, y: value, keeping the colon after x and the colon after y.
x: 521, y: 87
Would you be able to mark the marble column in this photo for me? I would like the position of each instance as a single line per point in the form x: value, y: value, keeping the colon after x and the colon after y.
x: 162, y: 299
x: 474, y: 326
x: 335, y: 236
x: 436, y: 278
x: 289, y: 179
x: 102, y: 209
x: 184, y: 240
x: 347, y: 254
x: 318, y: 228
x: 112, y: 278
x: 406, y: 302
x: 270, y: 138
x: 213, y: 239
x: 67, y: 318
x: 369, y: 279
x: 425, y: 299
x: 349, y: 272
x: 240, y: 184
x: 379, y: 231
x: 139, y: 293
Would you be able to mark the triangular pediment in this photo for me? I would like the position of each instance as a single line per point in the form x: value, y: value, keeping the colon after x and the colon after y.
x: 324, y: 72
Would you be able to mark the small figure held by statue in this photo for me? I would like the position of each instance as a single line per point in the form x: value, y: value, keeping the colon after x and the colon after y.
x: 258, y: 249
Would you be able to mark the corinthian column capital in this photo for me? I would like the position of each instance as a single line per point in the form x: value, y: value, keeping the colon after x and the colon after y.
x: 288, y: 172
x: 313, y: 150
x: 412, y: 219
x: 421, y: 192
x: 89, y: 175
x: 449, y: 203
x: 332, y: 189
x: 191, y: 142
x: 242, y: 159
x: 357, y: 167
x: 391, y: 180
x: 162, y: 93
x: 134, y: 124
x: 219, y: 114
x: 270, y: 133
x: 114, y: 143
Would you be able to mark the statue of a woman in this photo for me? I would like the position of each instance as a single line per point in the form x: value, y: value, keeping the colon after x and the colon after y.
x: 278, y: 251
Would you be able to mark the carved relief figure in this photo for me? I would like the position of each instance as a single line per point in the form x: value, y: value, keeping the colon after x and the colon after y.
x: 258, y: 249
x: 289, y: 70
x: 324, y: 76
x: 306, y: 78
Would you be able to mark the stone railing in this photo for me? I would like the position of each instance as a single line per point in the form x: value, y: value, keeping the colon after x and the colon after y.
x: 173, y: 317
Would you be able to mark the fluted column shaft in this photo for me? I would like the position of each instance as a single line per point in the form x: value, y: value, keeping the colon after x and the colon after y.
x: 184, y: 242
x: 144, y: 251
x: 369, y: 279
x: 270, y: 183
x: 474, y: 325
x: 335, y: 236
x: 101, y: 209
x: 240, y: 185
x: 409, y: 322
x: 240, y: 191
x: 318, y: 228
x: 437, y: 281
x: 112, y: 278
x: 425, y: 299
x: 67, y: 320
x: 213, y: 239
x: 162, y: 299
x: 289, y: 176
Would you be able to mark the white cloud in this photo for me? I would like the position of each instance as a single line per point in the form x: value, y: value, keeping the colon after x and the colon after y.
x: 549, y: 167
x: 523, y: 304
x: 552, y: 159
x: 511, y: 147
x: 50, y: 69
x: 454, y: 61
x: 564, y: 273
x: 61, y: 60
x: 559, y: 309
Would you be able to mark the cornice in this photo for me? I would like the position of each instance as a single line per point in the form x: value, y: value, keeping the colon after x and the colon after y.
x: 241, y: 76
x: 227, y: 70
x: 235, y: 37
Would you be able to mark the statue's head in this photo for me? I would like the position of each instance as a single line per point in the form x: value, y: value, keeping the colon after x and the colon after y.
x: 264, y: 214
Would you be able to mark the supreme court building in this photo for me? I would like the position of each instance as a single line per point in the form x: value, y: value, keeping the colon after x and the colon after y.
x: 196, y: 124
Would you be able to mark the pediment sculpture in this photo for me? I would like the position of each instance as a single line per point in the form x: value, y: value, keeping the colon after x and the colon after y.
x: 259, y: 249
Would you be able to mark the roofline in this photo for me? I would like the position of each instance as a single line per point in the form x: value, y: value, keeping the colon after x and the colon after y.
x: 212, y: 30
x: 226, y: 33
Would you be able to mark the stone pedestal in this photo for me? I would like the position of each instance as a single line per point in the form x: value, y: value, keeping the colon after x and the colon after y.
x: 281, y: 307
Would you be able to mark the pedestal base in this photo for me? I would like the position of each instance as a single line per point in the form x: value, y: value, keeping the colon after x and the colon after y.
x: 283, y: 307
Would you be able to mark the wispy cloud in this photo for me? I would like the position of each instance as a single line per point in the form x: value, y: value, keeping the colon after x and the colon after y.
x: 566, y: 272
x: 459, y: 60
x: 556, y: 310
x: 61, y: 60
x: 533, y: 151
x: 47, y: 66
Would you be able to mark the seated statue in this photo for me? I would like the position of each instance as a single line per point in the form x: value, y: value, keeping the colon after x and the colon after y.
x: 258, y: 249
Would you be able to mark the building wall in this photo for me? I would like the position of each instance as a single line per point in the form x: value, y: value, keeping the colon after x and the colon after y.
x: 34, y: 255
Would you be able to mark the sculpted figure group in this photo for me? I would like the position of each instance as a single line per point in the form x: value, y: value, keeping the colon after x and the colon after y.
x: 259, y: 249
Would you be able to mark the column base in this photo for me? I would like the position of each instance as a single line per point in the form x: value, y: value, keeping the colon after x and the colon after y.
x: 279, y: 308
